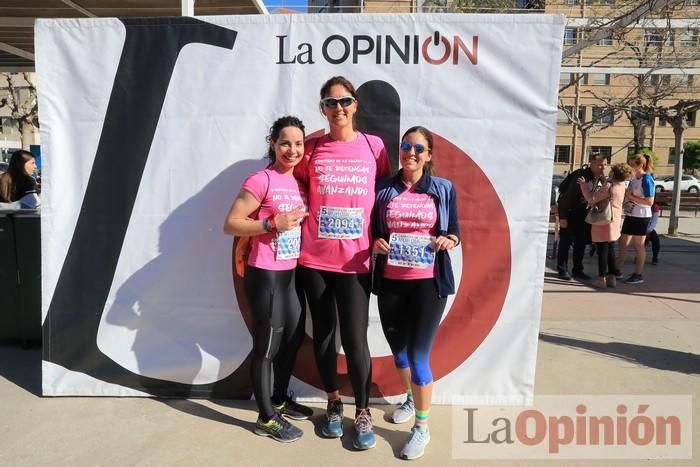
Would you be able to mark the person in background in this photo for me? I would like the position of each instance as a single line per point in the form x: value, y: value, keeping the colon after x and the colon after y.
x: 652, y: 236
x: 639, y: 197
x: 270, y: 209
x: 574, y: 230
x: 18, y: 181
x: 340, y: 169
x: 415, y: 224
x: 605, y: 236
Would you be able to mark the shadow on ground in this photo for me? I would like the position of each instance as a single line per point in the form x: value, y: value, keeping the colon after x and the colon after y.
x: 651, y: 357
x: 22, y: 367
x: 676, y: 273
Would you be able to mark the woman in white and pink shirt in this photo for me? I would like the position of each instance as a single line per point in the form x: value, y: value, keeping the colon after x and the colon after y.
x: 270, y: 209
x: 339, y: 169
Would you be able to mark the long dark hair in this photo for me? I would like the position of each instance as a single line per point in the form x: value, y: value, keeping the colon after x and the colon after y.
x: 20, y: 182
x: 428, y: 167
x: 275, y: 129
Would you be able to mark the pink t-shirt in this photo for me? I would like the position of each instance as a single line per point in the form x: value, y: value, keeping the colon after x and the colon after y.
x: 340, y: 177
x: 416, y: 214
x: 276, y: 193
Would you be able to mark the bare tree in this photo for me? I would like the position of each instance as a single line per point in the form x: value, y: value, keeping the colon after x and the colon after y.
x: 22, y: 106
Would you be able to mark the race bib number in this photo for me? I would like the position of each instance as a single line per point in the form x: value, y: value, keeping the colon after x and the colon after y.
x: 288, y: 244
x: 411, y: 251
x: 340, y: 223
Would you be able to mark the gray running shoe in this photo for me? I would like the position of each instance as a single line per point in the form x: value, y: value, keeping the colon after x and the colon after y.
x: 416, y: 443
x: 364, y: 431
x: 278, y: 429
x: 404, y: 412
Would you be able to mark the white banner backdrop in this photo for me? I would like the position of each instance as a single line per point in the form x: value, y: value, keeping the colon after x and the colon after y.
x: 149, y: 126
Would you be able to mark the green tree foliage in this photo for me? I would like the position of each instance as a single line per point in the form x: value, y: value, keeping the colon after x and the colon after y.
x: 691, y: 155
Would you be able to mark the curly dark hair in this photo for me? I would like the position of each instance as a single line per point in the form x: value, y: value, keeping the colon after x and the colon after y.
x: 276, y: 128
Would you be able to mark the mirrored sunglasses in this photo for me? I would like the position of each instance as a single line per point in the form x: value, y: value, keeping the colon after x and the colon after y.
x: 332, y: 102
x: 406, y: 146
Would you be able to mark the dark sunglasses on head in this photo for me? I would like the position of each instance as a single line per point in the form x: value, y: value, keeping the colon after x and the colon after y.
x: 332, y: 102
x: 406, y: 146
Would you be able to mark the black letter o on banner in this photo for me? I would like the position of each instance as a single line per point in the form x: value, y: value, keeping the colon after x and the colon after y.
x: 345, y: 55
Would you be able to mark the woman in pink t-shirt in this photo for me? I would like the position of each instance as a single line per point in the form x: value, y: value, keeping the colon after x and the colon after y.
x: 270, y: 209
x: 340, y: 168
x: 415, y: 225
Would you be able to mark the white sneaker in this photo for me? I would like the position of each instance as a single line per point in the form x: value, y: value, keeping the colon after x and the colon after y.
x: 404, y: 412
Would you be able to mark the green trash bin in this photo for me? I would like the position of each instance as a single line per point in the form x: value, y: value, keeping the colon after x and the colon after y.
x: 27, y: 225
x: 10, y: 324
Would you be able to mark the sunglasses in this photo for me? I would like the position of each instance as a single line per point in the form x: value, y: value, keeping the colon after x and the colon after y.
x: 406, y: 146
x: 332, y: 102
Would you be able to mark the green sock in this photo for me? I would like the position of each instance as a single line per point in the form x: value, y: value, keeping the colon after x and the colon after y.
x: 409, y: 394
x: 422, y: 419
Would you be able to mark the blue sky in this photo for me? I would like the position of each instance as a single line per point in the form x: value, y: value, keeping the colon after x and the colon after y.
x: 291, y: 4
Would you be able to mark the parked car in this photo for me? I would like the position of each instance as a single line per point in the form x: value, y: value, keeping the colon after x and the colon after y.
x: 688, y: 183
x: 3, y: 167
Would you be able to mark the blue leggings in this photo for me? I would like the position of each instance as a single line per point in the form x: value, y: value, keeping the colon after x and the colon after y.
x: 410, y: 311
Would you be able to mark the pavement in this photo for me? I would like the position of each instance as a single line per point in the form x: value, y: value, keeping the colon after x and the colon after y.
x: 640, y: 339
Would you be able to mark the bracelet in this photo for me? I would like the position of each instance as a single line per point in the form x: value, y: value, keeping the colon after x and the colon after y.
x: 271, y: 224
x: 454, y: 238
x: 266, y: 225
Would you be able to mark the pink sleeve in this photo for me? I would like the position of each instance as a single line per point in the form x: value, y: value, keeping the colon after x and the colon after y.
x: 256, y: 184
x: 602, y: 194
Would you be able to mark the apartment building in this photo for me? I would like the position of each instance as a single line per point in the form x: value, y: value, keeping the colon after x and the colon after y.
x: 608, y: 91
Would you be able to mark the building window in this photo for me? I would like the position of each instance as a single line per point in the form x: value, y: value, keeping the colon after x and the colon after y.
x: 689, y: 38
x: 657, y: 37
x: 607, y: 2
x: 657, y: 80
x: 685, y: 81
x: 562, y: 117
x: 605, y: 41
x: 602, y: 150
x: 570, y: 35
x: 642, y: 116
x: 690, y: 119
x: 602, y: 115
x: 671, y: 156
x: 566, y: 78
x: 598, y: 79
x: 562, y: 154
x: 562, y: 114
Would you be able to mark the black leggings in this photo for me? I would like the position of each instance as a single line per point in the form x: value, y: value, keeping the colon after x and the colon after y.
x: 606, y: 258
x: 278, y: 330
x: 348, y: 293
x: 653, y: 237
x: 410, y: 311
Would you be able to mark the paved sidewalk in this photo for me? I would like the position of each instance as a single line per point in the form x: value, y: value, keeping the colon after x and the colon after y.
x: 639, y: 339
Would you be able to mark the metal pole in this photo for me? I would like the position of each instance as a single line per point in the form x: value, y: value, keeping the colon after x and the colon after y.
x: 678, y: 122
x: 187, y: 7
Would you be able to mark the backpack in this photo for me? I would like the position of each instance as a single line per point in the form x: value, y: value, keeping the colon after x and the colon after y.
x: 571, y: 178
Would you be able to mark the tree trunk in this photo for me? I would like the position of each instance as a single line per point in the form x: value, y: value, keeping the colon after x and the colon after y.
x: 584, y: 146
x: 27, y: 131
x: 652, y: 143
x: 678, y: 123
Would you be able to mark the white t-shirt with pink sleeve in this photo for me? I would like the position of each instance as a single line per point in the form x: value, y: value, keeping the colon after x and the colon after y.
x: 411, y: 218
x: 340, y: 176
x: 276, y: 193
